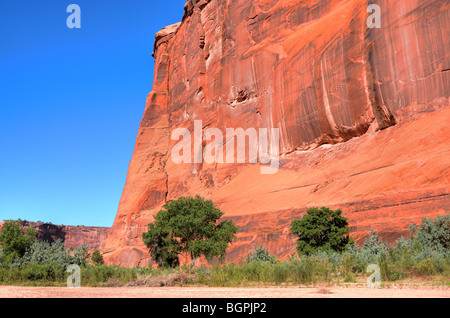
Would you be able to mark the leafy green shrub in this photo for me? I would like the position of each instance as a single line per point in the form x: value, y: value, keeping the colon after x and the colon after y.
x: 203, y: 275
x: 33, y: 274
x: 10, y: 275
x: 329, y: 263
x: 374, y: 244
x: 369, y: 253
x: 97, y: 258
x: 441, y: 263
x: 324, y: 267
x: 101, y: 274
x: 402, y: 255
x: 281, y: 273
x: 347, y: 268
x: 425, y: 267
x: 389, y: 271
x: 81, y: 255
x: 257, y: 272
x: 303, y: 270
x: 431, y: 237
x: 46, y: 253
x: 260, y: 254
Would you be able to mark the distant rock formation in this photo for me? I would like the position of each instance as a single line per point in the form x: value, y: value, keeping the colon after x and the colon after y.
x: 363, y: 115
x: 72, y: 236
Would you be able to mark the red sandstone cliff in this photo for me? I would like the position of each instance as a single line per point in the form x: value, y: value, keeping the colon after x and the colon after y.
x: 363, y: 116
x: 72, y: 236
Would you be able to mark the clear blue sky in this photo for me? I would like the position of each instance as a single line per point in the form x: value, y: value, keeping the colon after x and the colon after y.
x: 71, y: 101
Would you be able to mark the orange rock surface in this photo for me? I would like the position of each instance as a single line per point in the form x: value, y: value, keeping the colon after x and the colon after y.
x: 72, y: 236
x: 363, y: 116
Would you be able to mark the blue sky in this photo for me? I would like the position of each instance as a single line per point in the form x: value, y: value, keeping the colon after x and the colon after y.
x: 71, y: 101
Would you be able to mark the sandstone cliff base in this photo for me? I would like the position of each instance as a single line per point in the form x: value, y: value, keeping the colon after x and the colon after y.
x: 381, y: 180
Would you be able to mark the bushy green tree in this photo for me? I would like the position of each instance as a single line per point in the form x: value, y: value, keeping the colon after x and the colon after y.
x: 97, y: 257
x: 432, y: 236
x: 189, y: 226
x: 163, y: 246
x: 15, y: 241
x: 321, y: 230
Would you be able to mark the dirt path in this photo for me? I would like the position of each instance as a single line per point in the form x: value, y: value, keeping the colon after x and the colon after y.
x: 205, y: 292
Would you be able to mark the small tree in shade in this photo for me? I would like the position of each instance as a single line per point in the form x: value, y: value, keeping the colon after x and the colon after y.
x: 97, y: 258
x: 321, y: 230
x: 188, y: 226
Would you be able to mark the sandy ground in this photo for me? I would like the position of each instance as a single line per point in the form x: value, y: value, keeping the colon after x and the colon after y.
x: 206, y: 292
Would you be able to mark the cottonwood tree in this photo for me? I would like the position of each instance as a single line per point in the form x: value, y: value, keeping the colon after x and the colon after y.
x: 188, y: 226
x: 321, y: 230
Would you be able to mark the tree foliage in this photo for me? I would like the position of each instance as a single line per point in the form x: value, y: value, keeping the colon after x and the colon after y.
x: 260, y: 254
x: 97, y: 258
x: 433, y: 235
x: 189, y: 226
x: 163, y: 246
x: 374, y: 244
x: 54, y: 253
x: 15, y: 241
x: 321, y: 230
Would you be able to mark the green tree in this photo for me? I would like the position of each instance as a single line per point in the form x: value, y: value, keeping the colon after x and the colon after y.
x: 189, y: 226
x: 15, y: 241
x: 321, y: 230
x: 260, y: 254
x: 432, y: 235
x: 163, y: 247
x: 97, y: 258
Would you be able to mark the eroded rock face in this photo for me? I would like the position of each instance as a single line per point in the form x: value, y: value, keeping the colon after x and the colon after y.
x: 72, y: 236
x: 363, y: 117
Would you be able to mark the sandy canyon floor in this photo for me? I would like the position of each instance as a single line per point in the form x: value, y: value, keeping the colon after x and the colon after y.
x: 206, y: 292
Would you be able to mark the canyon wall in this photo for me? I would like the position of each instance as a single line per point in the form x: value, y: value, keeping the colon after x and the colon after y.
x: 363, y: 116
x: 72, y: 236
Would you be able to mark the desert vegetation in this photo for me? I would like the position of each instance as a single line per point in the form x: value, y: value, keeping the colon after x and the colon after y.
x: 188, y: 226
x: 424, y: 257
